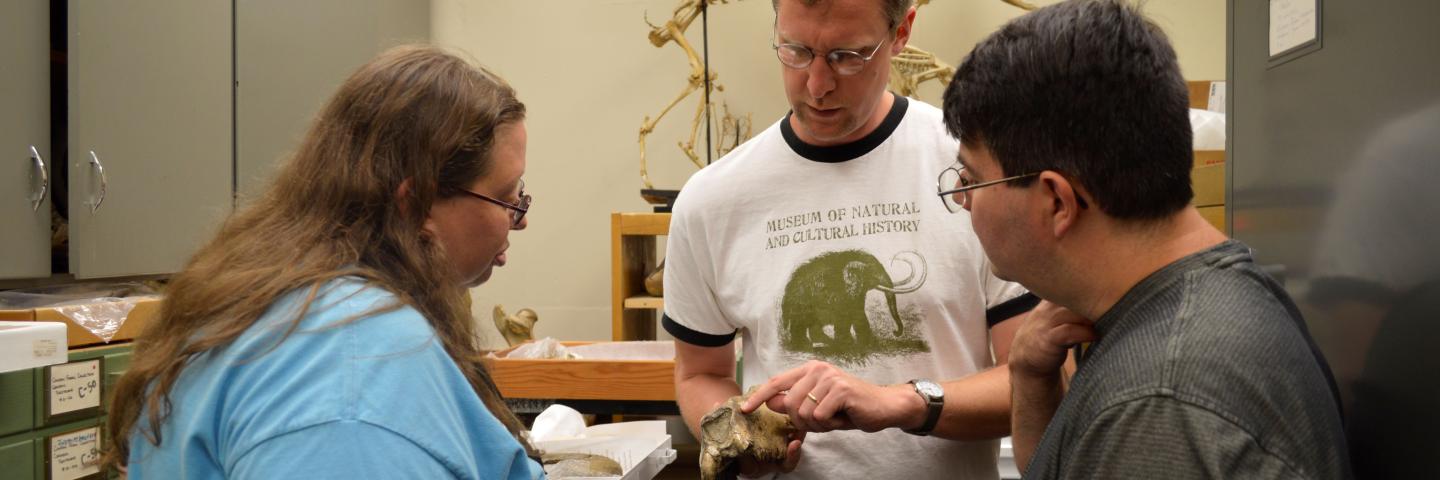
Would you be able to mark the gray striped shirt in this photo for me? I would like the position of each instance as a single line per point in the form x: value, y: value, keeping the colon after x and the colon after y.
x: 1205, y: 369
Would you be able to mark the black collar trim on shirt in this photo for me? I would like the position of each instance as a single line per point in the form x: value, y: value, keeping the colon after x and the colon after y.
x: 1010, y: 308
x: 852, y: 150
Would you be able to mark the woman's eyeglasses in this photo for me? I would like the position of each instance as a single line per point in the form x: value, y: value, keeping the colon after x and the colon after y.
x: 517, y: 212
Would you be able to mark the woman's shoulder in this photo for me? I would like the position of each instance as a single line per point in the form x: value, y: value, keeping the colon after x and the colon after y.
x: 356, y: 353
x: 368, y: 314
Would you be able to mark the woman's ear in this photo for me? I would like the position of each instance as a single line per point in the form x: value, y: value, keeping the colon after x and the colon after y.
x: 404, y: 195
x: 1065, y: 199
x: 405, y: 199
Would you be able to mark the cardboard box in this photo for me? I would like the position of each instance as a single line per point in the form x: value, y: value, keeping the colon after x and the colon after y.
x: 1205, y: 158
x: 1208, y: 182
x: 641, y: 448
x: 1216, y: 216
x: 146, y: 309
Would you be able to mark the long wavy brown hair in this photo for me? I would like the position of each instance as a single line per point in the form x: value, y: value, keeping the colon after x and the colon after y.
x: 415, y: 115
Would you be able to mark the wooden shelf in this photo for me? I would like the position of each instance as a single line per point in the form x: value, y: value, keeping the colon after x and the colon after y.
x: 632, y: 257
x: 642, y: 223
x: 645, y: 301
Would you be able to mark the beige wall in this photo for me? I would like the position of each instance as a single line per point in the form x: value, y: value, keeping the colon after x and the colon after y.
x: 589, y: 76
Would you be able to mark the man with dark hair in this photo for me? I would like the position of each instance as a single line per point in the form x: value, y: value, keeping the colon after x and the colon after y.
x: 1074, y: 166
x: 864, y: 307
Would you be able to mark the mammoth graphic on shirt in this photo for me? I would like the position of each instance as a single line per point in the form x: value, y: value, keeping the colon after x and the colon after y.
x: 841, y: 307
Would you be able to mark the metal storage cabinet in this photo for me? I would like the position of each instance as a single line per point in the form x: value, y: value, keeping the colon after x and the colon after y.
x: 24, y: 124
x: 151, y: 144
x: 290, y: 57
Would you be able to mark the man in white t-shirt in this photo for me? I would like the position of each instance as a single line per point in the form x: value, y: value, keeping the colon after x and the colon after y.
x: 864, y: 305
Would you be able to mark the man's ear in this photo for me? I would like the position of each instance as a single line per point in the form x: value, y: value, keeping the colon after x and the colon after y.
x: 902, y: 33
x: 1065, y: 202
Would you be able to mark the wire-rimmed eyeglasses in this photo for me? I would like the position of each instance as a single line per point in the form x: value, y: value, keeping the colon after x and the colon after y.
x: 517, y: 212
x: 844, y: 62
x: 954, y: 187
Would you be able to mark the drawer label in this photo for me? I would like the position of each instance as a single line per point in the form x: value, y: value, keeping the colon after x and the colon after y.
x: 74, y: 455
x: 74, y: 387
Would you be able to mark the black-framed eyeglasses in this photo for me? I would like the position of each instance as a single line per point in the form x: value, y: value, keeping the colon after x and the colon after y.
x: 954, y: 187
x: 517, y: 212
x: 844, y: 62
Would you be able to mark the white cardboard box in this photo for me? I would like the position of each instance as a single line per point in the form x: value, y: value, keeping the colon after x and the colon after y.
x: 31, y: 344
x: 641, y: 448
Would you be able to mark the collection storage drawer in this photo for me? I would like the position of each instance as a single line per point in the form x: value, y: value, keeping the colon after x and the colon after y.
x: 17, y: 401
x: 17, y: 457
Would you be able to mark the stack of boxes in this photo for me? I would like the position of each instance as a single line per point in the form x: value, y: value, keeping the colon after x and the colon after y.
x: 1208, y: 176
x: 52, y: 418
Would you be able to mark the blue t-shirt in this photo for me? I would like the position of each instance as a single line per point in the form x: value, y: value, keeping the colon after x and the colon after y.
x: 374, y: 398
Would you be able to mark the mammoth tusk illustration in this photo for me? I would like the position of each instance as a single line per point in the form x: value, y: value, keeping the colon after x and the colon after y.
x: 904, y: 286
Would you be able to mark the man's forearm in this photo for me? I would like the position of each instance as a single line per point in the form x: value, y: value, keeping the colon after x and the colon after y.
x: 976, y: 407
x: 1034, y: 402
x: 698, y: 394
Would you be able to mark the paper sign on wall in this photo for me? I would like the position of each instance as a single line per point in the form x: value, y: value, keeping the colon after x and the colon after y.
x: 1292, y: 23
x: 74, y: 455
x: 74, y: 387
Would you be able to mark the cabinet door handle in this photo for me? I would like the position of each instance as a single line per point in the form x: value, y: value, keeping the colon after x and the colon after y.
x: 95, y: 202
x: 44, y: 179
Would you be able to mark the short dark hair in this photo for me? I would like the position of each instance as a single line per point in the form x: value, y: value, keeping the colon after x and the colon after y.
x: 1087, y: 88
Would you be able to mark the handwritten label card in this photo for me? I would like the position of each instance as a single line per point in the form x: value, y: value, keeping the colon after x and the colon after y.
x: 74, y: 387
x: 75, y: 455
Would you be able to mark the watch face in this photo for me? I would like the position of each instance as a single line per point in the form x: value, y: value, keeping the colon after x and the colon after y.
x: 930, y: 389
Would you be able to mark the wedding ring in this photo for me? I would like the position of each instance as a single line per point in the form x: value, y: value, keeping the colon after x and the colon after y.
x: 812, y: 398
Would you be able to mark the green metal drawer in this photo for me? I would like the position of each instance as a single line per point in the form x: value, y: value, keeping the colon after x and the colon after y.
x: 17, y: 458
x: 114, y: 367
x: 17, y: 402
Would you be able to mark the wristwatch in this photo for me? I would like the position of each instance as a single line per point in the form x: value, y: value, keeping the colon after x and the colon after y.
x: 934, y: 396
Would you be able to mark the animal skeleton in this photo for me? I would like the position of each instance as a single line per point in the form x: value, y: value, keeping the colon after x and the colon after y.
x: 914, y: 66
x: 732, y: 130
x: 909, y: 69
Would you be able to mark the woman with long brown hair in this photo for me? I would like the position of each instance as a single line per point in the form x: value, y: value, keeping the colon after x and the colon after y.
x: 323, y: 332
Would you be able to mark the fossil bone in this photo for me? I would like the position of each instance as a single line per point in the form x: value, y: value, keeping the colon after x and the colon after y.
x: 655, y: 281
x: 518, y: 328
x: 566, y: 465
x: 728, y: 436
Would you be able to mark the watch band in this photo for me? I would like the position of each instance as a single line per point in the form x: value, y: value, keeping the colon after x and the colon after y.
x: 933, y: 404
